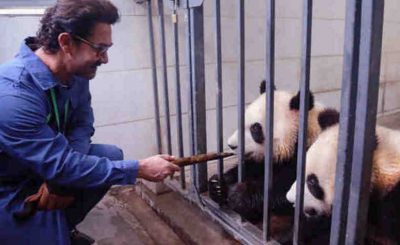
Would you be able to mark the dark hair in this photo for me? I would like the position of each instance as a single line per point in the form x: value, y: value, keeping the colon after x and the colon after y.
x: 77, y: 17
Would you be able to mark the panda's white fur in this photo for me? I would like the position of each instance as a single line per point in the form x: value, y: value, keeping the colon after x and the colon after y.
x: 321, y: 160
x: 286, y: 127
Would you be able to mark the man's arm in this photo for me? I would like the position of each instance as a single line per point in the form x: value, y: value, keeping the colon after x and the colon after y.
x: 80, y: 127
x: 25, y: 135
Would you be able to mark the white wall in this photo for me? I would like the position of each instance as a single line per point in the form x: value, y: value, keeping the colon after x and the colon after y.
x: 122, y: 91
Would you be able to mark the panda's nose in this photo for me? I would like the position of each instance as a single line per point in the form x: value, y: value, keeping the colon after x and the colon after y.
x: 310, y: 212
x: 233, y: 147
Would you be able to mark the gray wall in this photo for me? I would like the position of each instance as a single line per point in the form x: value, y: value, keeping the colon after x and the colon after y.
x: 122, y: 90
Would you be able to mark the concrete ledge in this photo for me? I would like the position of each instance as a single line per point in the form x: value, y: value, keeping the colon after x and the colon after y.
x: 190, y: 224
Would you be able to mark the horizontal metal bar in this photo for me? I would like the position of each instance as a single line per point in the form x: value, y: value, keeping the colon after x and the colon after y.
x: 184, y: 4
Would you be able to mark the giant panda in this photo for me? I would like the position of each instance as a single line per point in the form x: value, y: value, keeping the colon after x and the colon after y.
x: 246, y: 198
x: 384, y: 204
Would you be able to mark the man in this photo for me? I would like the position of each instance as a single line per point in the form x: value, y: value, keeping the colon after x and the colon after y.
x: 46, y: 122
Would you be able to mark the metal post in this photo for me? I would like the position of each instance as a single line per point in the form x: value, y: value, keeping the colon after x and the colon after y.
x: 165, y: 76
x: 304, y: 95
x: 241, y: 87
x: 364, y: 137
x: 154, y: 76
x: 269, y: 114
x: 198, y: 80
x: 220, y: 131
x: 178, y: 92
x: 347, y: 120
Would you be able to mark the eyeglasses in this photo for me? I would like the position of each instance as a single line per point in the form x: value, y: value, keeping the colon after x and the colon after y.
x: 100, y: 49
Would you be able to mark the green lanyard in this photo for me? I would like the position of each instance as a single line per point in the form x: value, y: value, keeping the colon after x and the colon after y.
x: 57, y: 115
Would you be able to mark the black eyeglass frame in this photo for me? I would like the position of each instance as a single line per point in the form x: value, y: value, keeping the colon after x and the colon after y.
x: 101, y: 49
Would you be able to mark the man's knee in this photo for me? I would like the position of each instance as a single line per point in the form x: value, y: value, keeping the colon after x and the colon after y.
x: 112, y: 152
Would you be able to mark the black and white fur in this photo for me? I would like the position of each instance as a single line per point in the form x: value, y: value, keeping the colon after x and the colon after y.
x: 246, y: 198
x: 384, y: 206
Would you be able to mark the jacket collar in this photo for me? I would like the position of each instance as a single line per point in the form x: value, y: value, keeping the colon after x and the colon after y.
x: 40, y: 73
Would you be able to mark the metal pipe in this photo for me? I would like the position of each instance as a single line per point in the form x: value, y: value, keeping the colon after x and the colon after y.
x: 178, y: 92
x: 347, y: 121
x: 269, y: 113
x: 165, y: 75
x: 199, y: 98
x: 364, y: 136
x: 241, y: 88
x: 219, y: 108
x: 304, y: 105
x: 154, y: 76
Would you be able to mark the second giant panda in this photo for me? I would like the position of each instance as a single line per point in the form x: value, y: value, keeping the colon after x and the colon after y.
x: 246, y: 198
x: 384, y: 205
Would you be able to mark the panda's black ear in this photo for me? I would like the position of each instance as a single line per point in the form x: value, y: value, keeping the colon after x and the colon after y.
x: 263, y: 87
x: 295, y: 101
x: 376, y: 141
x: 328, y: 117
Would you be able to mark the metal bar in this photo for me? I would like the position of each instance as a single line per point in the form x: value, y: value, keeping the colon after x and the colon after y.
x: 178, y: 93
x: 190, y: 94
x: 269, y: 115
x: 199, y: 98
x: 241, y: 87
x: 364, y: 137
x: 220, y: 131
x: 165, y: 76
x: 304, y: 104
x: 347, y: 121
x: 154, y: 76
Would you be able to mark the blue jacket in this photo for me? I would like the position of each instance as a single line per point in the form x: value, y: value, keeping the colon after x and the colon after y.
x: 32, y: 151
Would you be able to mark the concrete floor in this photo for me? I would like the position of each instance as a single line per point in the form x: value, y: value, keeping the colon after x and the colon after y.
x: 122, y: 217
x: 114, y: 222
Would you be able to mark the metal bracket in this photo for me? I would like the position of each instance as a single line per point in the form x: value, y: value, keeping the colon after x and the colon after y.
x: 184, y: 4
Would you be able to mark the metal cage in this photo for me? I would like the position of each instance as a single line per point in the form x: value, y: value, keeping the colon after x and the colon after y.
x: 360, y: 83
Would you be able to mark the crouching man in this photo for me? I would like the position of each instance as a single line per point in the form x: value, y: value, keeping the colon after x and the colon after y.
x: 46, y: 122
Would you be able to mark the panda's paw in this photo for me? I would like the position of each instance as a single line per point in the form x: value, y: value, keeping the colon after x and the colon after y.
x: 247, y: 202
x: 217, y: 190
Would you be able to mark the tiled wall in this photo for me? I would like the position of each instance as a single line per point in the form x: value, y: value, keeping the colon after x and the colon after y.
x: 122, y: 91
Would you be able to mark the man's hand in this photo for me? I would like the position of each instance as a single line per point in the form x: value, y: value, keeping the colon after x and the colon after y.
x: 49, y: 201
x: 157, y: 168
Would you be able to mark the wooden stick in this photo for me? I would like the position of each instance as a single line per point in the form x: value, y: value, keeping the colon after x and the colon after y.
x: 185, y: 161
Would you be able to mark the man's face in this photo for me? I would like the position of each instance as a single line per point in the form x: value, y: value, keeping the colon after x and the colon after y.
x: 90, y: 51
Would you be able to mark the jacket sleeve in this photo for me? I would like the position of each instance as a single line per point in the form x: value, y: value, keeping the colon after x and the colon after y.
x: 80, y: 128
x: 25, y: 136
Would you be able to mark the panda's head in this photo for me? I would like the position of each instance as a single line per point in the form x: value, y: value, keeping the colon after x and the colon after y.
x: 286, y: 126
x: 319, y: 175
x: 320, y: 170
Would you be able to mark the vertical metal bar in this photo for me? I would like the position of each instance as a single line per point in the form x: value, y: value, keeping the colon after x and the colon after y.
x: 347, y: 120
x: 198, y: 78
x: 190, y: 92
x: 154, y: 76
x: 304, y: 104
x: 269, y: 115
x: 220, y: 131
x: 165, y: 76
x: 364, y: 137
x: 178, y: 92
x: 241, y: 87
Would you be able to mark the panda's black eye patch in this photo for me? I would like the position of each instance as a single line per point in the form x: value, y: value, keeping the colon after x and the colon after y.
x: 257, y: 133
x: 314, y: 187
